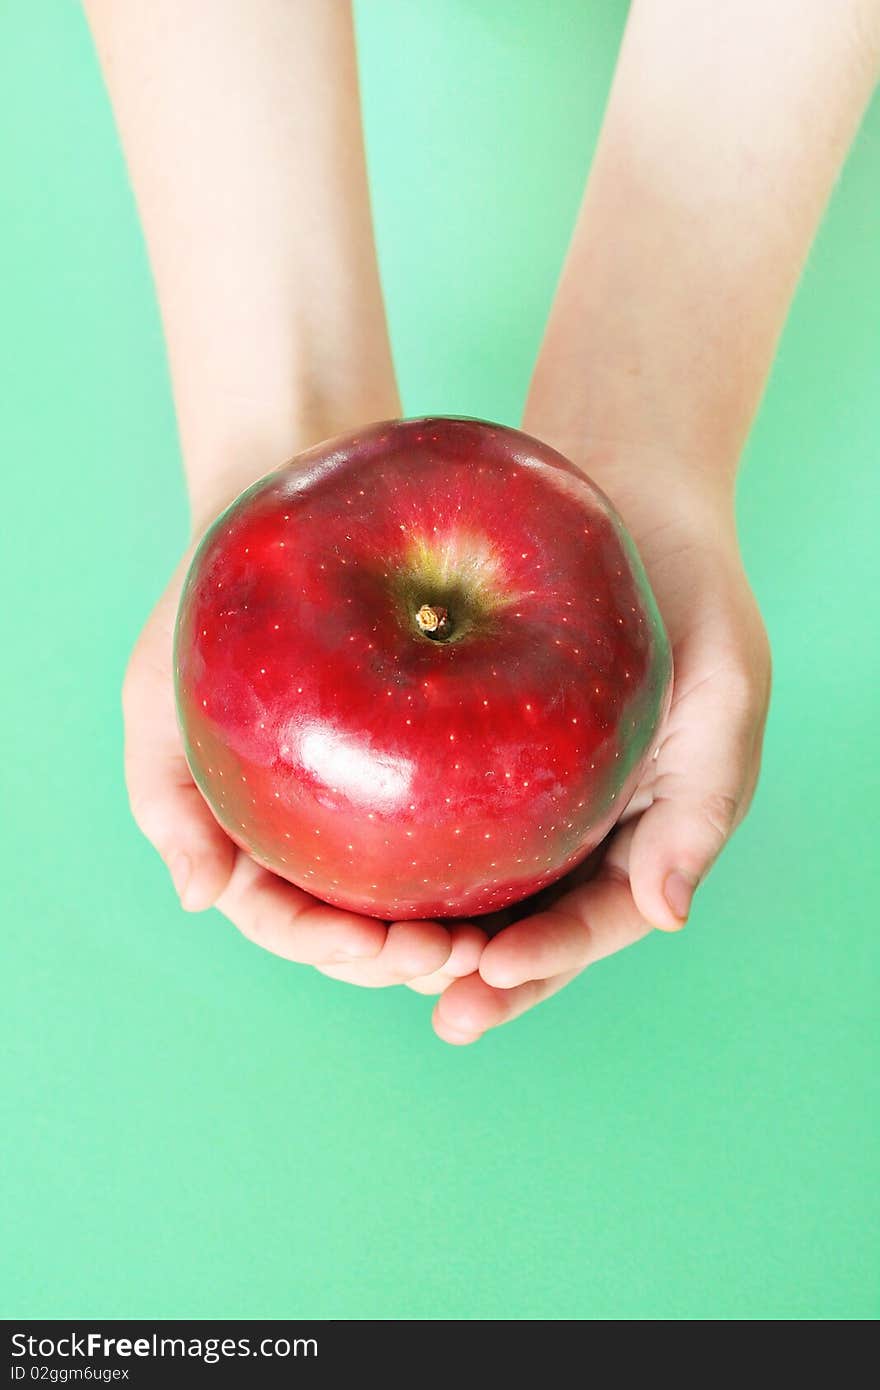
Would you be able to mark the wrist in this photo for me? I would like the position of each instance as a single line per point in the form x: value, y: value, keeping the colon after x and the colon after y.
x: 673, y: 506
x: 645, y: 482
x: 645, y: 479
x: 240, y: 451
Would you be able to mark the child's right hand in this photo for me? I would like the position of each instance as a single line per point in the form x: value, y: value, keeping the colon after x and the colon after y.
x: 209, y: 870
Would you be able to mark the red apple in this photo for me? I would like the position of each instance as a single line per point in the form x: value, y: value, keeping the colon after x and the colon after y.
x: 419, y: 669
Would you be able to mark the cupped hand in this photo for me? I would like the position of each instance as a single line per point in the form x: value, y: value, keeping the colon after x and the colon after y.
x: 208, y: 869
x: 695, y: 791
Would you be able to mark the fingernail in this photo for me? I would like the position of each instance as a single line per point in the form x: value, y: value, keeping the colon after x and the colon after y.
x: 458, y: 1039
x: 180, y: 869
x: 678, y: 890
x: 358, y: 950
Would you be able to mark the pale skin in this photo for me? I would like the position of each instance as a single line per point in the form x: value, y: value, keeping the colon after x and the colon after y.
x: 725, y: 130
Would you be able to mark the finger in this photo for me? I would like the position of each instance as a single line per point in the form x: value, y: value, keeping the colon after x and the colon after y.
x: 165, y: 803
x: 468, y: 942
x: 169, y: 809
x: 411, y: 949
x: 705, y: 776
x: 470, y: 1007
x: 588, y: 923
x: 290, y: 923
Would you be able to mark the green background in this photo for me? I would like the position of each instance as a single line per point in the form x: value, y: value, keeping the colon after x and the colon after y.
x: 193, y: 1128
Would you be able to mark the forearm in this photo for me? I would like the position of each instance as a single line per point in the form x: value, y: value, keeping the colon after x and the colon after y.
x: 725, y: 130
x: 241, y: 127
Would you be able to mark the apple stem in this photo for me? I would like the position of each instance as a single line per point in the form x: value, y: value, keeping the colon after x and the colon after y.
x: 433, y: 621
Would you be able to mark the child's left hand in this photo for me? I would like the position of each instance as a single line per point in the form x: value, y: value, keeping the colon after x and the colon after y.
x: 698, y: 788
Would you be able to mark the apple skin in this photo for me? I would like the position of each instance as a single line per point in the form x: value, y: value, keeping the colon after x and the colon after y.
x: 386, y: 770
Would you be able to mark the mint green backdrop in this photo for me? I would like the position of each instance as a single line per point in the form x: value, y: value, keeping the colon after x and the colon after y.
x: 192, y: 1127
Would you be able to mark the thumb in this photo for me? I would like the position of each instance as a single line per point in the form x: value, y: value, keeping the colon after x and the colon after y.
x: 175, y: 819
x: 165, y: 802
x: 706, y: 774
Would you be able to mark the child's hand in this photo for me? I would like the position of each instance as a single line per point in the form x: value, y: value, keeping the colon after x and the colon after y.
x: 694, y: 794
x: 208, y: 869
